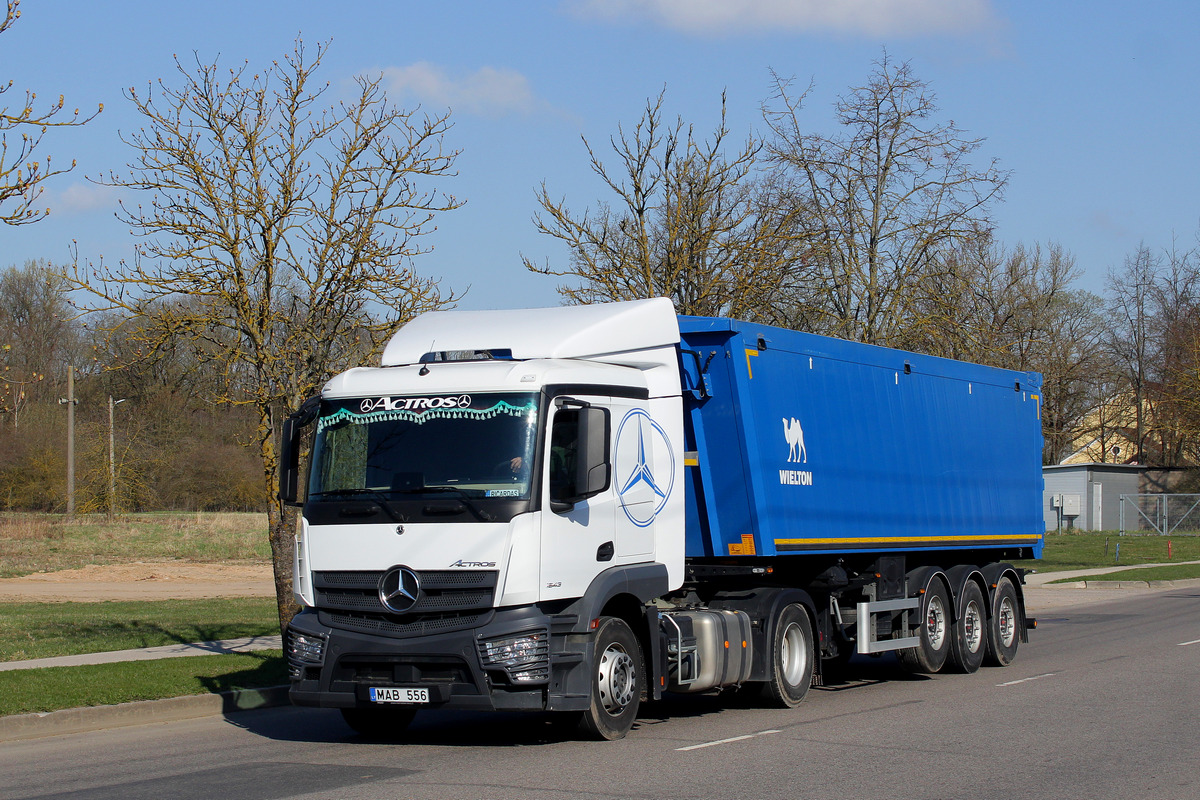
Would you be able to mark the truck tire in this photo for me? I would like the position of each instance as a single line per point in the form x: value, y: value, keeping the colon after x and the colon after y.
x: 1003, y: 625
x: 617, y: 682
x: 968, y: 641
x: 791, y: 658
x: 931, y: 654
x: 379, y: 722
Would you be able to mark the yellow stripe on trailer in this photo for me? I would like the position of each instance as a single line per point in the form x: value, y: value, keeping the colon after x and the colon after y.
x: 911, y: 540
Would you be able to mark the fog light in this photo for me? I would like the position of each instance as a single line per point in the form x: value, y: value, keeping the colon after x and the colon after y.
x: 306, y: 648
x: 539, y: 675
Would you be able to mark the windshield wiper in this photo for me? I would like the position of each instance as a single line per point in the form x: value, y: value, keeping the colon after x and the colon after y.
x: 462, y: 495
x: 373, y: 494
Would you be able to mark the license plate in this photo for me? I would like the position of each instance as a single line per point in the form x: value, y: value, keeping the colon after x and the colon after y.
x: 392, y: 694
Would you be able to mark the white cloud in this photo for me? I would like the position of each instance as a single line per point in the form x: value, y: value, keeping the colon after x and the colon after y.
x: 80, y: 198
x: 865, y: 17
x: 488, y: 91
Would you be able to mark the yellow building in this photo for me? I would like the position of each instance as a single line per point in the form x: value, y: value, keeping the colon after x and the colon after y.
x: 1108, y: 435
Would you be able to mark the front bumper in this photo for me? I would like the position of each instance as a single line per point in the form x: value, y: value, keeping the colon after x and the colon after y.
x: 515, y: 661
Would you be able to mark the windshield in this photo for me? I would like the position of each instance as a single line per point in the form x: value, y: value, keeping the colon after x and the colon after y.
x: 478, y: 446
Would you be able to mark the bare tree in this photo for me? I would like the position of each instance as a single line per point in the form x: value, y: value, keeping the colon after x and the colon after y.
x: 882, y: 197
x: 289, y: 228
x: 1073, y: 363
x: 1153, y: 305
x: 1184, y: 386
x: 21, y: 132
x: 21, y: 186
x: 1130, y: 339
x: 37, y: 331
x: 1176, y: 299
x: 690, y: 223
x: 1014, y: 308
x: 985, y: 302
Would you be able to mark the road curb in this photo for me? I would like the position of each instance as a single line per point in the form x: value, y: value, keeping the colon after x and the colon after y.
x: 1187, y: 583
x: 1143, y: 584
x: 171, y: 709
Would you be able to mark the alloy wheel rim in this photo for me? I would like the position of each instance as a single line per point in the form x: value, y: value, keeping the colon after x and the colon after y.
x: 616, y: 679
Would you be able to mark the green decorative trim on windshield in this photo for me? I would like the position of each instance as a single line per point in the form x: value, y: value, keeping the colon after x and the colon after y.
x: 420, y: 417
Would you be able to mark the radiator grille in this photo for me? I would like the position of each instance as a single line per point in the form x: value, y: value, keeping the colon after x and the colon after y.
x: 449, y: 600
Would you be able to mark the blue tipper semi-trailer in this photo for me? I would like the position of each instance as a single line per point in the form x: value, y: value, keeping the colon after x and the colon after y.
x: 577, y: 509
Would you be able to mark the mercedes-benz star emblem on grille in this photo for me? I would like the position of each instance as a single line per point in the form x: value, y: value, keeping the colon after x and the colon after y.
x: 399, y: 589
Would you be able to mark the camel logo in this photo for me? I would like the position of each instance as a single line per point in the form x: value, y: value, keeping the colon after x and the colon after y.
x: 643, y: 481
x: 794, y: 435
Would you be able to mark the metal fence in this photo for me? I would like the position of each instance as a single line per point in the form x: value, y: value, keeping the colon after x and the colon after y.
x: 1161, y: 513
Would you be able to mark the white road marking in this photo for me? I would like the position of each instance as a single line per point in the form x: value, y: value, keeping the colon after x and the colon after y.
x: 724, y: 741
x: 1026, y: 680
x: 1185, y: 644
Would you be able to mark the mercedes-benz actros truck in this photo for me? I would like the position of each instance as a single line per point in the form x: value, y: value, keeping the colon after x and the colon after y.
x: 577, y: 509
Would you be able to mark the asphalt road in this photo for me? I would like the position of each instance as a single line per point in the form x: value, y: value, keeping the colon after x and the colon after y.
x: 1104, y: 702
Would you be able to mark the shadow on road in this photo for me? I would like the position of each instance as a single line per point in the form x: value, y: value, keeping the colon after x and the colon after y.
x: 481, y: 729
x: 439, y: 728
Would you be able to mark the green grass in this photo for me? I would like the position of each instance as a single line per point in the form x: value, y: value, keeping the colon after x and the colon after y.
x: 40, y: 630
x: 1174, y: 572
x: 46, y: 542
x: 1068, y: 551
x: 25, y: 691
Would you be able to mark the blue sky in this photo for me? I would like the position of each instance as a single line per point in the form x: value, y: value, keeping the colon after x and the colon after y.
x: 1092, y: 106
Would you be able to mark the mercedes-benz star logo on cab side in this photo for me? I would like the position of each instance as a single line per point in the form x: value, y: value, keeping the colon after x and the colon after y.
x: 643, y: 481
x: 399, y: 590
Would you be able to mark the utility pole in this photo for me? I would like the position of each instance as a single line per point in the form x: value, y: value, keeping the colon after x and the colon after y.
x: 112, y: 460
x: 69, y: 401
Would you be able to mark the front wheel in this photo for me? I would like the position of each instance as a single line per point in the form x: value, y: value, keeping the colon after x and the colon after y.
x: 616, y: 682
x: 792, y: 658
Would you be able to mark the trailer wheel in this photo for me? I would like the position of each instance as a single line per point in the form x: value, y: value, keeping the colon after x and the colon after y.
x: 379, y: 722
x: 968, y: 644
x: 616, y: 682
x: 792, y: 658
x: 1003, y: 633
x: 930, y: 655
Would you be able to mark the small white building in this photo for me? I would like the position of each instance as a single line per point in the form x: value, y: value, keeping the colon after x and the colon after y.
x: 1087, y: 497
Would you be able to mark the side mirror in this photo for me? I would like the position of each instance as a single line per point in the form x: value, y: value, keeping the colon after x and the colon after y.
x: 593, y: 461
x: 289, y: 462
x: 289, y: 450
x: 580, y: 459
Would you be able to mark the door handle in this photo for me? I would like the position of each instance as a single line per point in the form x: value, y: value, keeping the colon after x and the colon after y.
x: 605, y: 552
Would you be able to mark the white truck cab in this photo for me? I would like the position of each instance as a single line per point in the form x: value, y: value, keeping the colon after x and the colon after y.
x: 496, y: 469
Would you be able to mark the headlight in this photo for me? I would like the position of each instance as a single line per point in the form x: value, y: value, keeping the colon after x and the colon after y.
x: 525, y: 657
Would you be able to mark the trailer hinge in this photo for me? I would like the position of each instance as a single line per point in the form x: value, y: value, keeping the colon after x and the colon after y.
x: 703, y: 386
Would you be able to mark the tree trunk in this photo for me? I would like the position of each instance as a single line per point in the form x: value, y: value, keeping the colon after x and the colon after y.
x: 281, y: 525
x: 282, y: 529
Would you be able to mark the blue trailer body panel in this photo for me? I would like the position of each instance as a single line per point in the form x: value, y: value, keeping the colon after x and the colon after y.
x: 806, y: 444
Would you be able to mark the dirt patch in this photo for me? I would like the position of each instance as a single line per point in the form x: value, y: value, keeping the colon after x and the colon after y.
x: 152, y: 580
